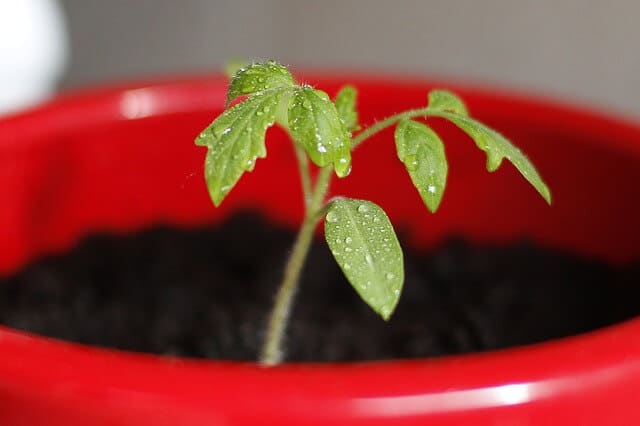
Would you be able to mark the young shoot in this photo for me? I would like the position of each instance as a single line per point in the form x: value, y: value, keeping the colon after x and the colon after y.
x: 325, y: 131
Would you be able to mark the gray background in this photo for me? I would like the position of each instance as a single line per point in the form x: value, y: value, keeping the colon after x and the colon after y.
x: 576, y: 50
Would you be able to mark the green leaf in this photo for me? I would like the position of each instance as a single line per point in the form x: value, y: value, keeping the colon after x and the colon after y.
x: 422, y: 152
x: 314, y: 124
x: 367, y: 250
x: 259, y: 77
x: 346, y: 105
x: 498, y: 147
x: 235, y: 140
x: 445, y: 101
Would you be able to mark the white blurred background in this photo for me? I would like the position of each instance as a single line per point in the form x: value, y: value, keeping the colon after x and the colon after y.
x: 576, y: 50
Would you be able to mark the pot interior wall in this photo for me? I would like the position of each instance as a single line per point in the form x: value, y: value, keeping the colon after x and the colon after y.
x: 124, y: 160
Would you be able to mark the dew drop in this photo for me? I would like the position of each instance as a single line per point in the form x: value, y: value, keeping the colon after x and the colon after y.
x: 321, y: 148
x: 348, y: 240
x: 363, y: 208
x: 346, y: 266
x: 431, y: 189
x: 348, y: 249
x: 332, y: 217
x: 411, y: 162
x: 389, y: 275
x: 368, y: 258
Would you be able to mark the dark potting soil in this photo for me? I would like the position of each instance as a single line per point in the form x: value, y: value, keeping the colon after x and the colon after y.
x: 207, y: 292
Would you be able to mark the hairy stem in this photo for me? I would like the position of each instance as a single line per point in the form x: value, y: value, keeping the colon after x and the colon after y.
x: 389, y: 121
x: 305, y: 177
x: 272, y: 352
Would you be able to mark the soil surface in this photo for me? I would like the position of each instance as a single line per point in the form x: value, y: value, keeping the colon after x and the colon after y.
x: 207, y: 292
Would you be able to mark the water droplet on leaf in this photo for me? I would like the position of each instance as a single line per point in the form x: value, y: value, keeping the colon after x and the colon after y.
x: 411, y: 162
x: 332, y: 217
x: 363, y: 208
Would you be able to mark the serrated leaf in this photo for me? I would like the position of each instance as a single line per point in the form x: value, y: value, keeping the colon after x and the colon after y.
x: 315, y: 125
x: 235, y: 140
x: 259, y: 77
x: 498, y: 147
x: 367, y: 250
x: 346, y: 106
x: 445, y: 101
x: 422, y: 152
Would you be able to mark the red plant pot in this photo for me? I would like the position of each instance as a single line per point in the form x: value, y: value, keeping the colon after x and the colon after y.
x: 122, y: 159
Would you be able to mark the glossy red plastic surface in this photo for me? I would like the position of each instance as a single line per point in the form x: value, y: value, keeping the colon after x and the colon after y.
x: 122, y: 159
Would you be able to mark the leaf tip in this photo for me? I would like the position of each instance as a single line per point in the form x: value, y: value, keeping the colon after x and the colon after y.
x: 342, y: 167
x: 216, y: 196
x: 546, y: 194
x: 386, y: 315
x: 387, y: 311
x: 432, y: 206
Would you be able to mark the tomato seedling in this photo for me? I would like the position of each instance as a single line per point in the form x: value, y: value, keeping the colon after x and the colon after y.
x: 325, y: 132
